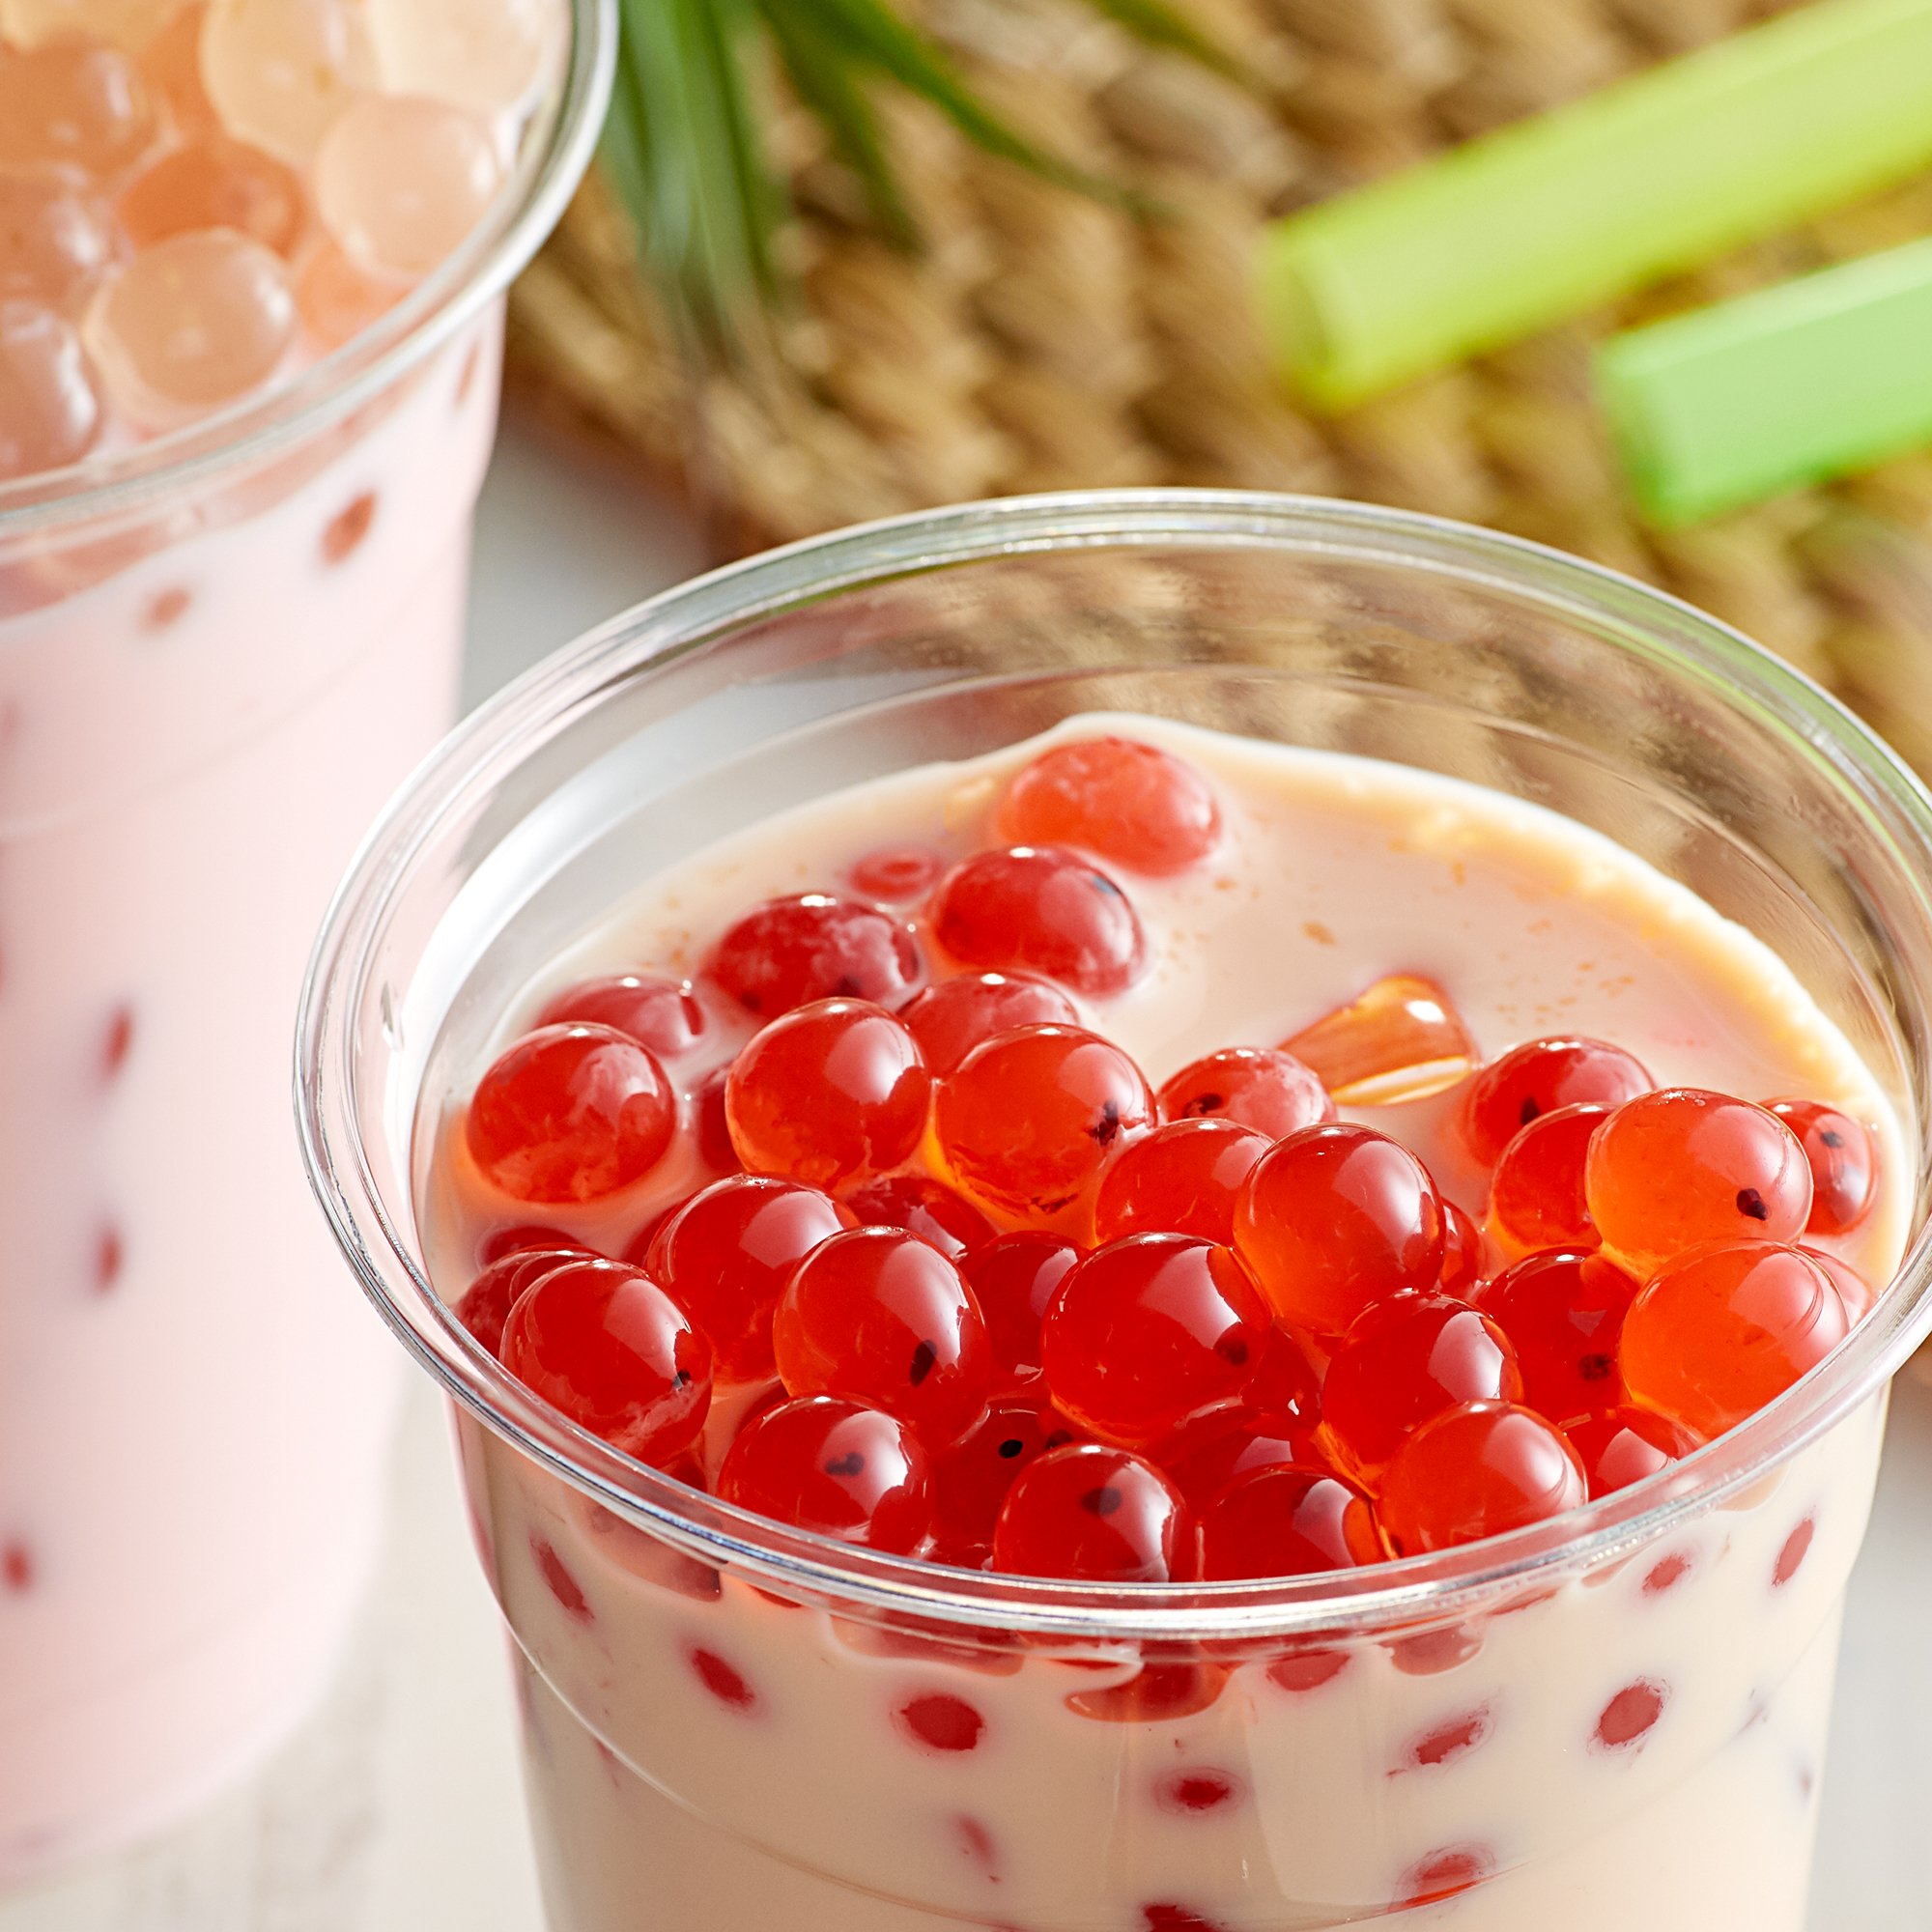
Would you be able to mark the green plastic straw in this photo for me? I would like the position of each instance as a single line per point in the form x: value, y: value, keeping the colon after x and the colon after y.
x: 1552, y: 216
x: 1816, y: 378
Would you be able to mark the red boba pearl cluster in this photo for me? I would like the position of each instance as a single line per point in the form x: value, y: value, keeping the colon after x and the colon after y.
x: 989, y: 1297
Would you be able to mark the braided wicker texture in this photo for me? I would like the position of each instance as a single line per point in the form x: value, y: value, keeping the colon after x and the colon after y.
x: 1044, y: 340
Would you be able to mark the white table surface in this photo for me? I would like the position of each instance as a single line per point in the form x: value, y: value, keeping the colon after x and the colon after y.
x: 398, y: 1810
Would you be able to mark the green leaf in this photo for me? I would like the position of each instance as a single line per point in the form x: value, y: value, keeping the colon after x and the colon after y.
x: 1160, y: 26
x: 682, y: 150
x: 871, y: 33
x: 684, y: 153
x: 827, y: 85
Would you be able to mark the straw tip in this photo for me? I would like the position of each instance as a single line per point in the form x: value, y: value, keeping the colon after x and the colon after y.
x: 1295, y: 331
x: 1641, y: 438
x: 1790, y: 387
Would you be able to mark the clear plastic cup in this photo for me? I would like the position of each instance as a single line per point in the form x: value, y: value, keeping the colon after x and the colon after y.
x: 1610, y: 1721
x: 216, y: 658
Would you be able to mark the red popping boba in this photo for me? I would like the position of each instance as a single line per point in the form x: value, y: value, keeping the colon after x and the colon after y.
x: 1680, y: 1166
x: 1150, y: 1332
x: 1334, y: 1219
x: 603, y: 1342
x: 1129, y: 803
x: 1027, y: 1123
x: 829, y: 1093
x: 1248, y: 1232
x: 571, y: 1112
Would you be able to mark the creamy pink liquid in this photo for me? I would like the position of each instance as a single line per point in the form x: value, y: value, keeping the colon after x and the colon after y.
x: 193, y: 1411
x: 702, y: 1756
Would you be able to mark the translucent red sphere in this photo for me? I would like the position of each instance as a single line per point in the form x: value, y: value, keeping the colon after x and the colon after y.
x: 1288, y: 1521
x: 1027, y: 1121
x: 1536, y: 1195
x: 787, y: 953
x: 921, y: 1207
x: 484, y: 1306
x: 1182, y: 1178
x: 727, y: 1253
x: 1334, y: 1219
x: 570, y: 1113
x: 1475, y: 1472
x: 971, y: 1479
x: 1255, y: 1087
x: 1403, y: 1363
x: 835, y: 1467
x: 895, y: 874
x: 1537, y: 1078
x: 1043, y: 910
x: 1206, y: 1458
x: 1622, y: 1446
x: 1129, y: 802
x: 604, y: 1344
x: 1014, y: 1279
x: 660, y: 1013
x: 1097, y: 1515
x: 830, y: 1093
x: 1683, y: 1165
x: 1843, y: 1163
x: 1147, y: 1332
x: 884, y: 1317
x: 1725, y: 1328
x: 952, y: 1017
x: 1563, y: 1312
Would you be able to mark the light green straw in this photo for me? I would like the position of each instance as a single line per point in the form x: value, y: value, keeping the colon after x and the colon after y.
x: 1552, y: 216
x: 1815, y: 378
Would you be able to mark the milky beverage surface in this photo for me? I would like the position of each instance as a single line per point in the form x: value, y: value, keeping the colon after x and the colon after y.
x: 1453, y: 1771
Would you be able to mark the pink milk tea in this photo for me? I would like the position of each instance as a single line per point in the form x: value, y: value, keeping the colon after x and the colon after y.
x: 1630, y: 1736
x: 194, y: 744
x: 242, y: 434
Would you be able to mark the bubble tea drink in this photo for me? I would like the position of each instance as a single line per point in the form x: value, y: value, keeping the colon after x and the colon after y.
x: 249, y: 252
x: 1217, y: 1323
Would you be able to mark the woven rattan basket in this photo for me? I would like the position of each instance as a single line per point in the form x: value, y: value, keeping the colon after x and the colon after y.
x: 1045, y: 340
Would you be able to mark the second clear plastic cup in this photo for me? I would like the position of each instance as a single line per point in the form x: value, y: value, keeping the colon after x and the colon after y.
x: 219, y: 653
x: 748, y: 1726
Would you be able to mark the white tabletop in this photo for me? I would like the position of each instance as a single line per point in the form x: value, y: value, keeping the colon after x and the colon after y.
x: 398, y: 1810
